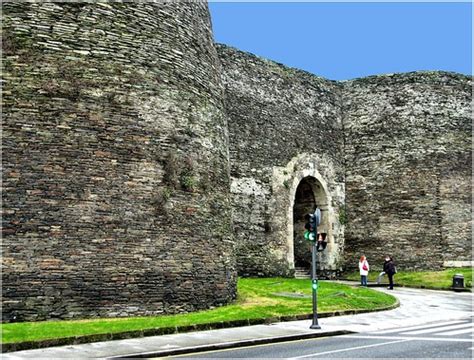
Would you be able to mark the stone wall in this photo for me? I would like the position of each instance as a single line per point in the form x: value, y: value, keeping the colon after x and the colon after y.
x: 128, y: 139
x: 284, y: 125
x: 408, y: 169
x: 405, y: 151
x: 113, y: 138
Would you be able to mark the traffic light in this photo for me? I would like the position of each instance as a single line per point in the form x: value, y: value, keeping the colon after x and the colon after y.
x: 310, y: 226
x: 312, y: 222
x: 322, y: 243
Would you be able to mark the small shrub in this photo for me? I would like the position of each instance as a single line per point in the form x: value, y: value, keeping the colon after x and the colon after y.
x: 167, y: 194
x: 171, y: 166
x: 188, y: 182
x: 342, y: 216
x: 187, y: 177
x: 189, y: 132
x: 162, y: 197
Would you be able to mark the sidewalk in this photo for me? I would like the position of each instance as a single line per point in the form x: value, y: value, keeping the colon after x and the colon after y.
x: 416, y: 307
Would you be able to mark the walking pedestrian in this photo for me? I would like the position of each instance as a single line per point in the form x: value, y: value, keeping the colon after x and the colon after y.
x: 389, y: 269
x: 363, y: 270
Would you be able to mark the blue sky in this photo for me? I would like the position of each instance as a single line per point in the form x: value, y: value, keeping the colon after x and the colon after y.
x: 348, y: 40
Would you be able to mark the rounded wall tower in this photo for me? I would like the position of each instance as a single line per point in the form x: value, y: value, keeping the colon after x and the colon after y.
x: 115, y: 161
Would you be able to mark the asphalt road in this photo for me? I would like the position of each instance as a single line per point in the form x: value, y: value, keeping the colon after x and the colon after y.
x: 448, y: 339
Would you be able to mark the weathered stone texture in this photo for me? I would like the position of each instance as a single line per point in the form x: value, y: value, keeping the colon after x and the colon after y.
x: 284, y: 124
x: 113, y: 135
x: 129, y: 136
x: 408, y: 168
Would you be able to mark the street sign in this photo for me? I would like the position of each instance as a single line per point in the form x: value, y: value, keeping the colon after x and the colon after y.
x: 317, y: 216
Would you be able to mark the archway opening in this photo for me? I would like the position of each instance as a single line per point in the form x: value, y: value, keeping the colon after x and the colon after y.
x: 309, y: 195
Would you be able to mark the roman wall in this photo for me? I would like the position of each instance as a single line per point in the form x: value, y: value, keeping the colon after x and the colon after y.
x: 145, y: 166
x: 115, y: 161
x: 408, y: 169
x: 285, y: 127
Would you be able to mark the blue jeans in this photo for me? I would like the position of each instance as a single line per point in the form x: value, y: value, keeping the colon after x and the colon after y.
x: 363, y: 280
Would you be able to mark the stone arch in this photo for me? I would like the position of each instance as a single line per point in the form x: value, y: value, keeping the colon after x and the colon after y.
x: 285, y: 182
x: 308, y: 195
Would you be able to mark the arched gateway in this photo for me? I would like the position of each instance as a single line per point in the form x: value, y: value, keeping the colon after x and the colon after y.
x: 309, y: 195
x: 305, y: 182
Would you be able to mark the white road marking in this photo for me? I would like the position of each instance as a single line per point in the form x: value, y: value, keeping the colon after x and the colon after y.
x: 349, y: 349
x: 416, y: 327
x: 168, y: 346
x: 457, y: 332
x: 408, y: 338
x: 436, y: 329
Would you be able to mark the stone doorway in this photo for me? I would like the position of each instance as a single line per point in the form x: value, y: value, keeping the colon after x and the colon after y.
x: 308, y: 195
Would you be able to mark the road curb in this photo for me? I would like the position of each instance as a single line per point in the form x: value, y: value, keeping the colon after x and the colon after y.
x: 356, y: 283
x: 231, y: 345
x: 77, y: 340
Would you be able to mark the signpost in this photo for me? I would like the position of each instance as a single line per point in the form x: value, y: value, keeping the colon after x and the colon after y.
x: 314, y: 277
x: 318, y: 243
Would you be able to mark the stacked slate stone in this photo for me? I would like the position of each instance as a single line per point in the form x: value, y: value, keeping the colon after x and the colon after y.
x: 286, y: 119
x: 408, y: 168
x: 129, y: 137
x: 115, y: 160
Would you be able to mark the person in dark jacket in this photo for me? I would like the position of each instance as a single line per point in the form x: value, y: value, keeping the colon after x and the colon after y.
x: 389, y: 269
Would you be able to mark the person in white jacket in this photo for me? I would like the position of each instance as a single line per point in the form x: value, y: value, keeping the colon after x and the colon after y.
x: 363, y: 270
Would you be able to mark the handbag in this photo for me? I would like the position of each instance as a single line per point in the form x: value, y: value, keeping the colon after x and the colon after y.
x: 364, y: 266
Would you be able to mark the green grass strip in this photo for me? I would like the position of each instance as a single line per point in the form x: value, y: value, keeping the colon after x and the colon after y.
x: 257, y: 299
x: 427, y: 279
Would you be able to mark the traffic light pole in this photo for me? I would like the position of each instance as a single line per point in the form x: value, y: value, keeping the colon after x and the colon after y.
x: 314, y: 284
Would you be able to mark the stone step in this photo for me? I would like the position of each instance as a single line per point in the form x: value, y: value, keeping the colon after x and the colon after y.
x: 302, y: 273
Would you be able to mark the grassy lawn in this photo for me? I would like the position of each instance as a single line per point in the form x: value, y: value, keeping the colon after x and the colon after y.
x: 258, y: 298
x: 429, y: 279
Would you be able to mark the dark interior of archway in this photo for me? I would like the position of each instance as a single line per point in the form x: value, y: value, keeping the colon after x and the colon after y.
x: 304, y: 204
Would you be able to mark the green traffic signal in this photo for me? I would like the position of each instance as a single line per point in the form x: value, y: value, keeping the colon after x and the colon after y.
x: 310, y: 236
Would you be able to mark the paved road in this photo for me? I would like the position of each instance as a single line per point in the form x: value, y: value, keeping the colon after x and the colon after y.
x: 447, y: 339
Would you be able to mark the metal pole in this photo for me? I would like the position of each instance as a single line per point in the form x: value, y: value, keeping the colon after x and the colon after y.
x: 314, y: 284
